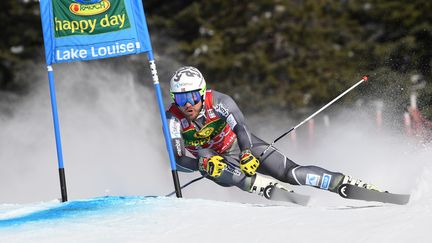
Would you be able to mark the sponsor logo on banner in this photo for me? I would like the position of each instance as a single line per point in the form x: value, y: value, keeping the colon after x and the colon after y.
x: 325, y: 183
x: 78, y: 30
x: 91, y: 17
x: 87, y: 9
x: 312, y: 180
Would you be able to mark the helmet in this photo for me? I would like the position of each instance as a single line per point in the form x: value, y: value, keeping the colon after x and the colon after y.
x: 187, y: 79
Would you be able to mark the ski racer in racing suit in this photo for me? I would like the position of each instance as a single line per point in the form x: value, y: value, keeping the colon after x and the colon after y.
x: 209, y: 135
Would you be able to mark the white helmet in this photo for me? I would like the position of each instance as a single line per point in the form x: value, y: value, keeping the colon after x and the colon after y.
x: 187, y: 79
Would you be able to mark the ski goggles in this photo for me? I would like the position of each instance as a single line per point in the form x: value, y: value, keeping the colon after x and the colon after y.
x: 192, y: 97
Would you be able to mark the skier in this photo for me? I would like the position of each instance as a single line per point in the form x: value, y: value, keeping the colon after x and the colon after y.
x: 209, y: 135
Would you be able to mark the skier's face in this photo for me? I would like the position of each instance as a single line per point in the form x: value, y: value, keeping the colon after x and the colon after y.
x: 191, y: 111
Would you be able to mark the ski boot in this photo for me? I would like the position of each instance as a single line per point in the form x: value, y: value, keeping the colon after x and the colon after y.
x: 272, y: 190
x: 263, y: 185
x: 356, y: 182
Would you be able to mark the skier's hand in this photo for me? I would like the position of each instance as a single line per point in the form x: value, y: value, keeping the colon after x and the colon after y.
x: 248, y: 163
x: 213, y: 166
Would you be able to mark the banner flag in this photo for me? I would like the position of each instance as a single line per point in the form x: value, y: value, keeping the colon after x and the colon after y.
x: 76, y: 30
x: 79, y: 30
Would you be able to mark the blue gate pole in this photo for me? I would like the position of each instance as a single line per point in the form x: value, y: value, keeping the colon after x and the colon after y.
x: 164, y: 124
x: 57, y: 133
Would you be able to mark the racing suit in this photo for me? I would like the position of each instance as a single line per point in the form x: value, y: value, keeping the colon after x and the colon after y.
x: 220, y: 129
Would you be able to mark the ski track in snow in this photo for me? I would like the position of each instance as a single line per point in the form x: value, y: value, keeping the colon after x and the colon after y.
x: 113, y: 147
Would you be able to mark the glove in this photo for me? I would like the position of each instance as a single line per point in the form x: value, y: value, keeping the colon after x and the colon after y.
x: 213, y: 166
x: 248, y: 163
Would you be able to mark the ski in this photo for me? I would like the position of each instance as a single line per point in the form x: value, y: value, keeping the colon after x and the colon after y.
x: 275, y: 193
x: 354, y: 192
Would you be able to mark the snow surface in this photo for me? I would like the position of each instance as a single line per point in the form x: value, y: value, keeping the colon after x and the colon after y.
x: 159, y: 219
x: 115, y: 159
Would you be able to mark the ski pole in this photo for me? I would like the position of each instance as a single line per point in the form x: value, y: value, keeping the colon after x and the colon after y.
x: 364, y: 79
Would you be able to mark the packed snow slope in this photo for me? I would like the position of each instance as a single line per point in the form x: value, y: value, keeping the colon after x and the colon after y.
x: 116, y: 163
x: 159, y: 219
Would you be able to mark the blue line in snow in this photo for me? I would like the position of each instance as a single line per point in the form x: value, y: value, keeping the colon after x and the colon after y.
x: 71, y: 209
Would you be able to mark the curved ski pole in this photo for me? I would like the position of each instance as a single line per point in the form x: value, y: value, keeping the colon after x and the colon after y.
x: 364, y: 79
x: 185, y: 185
